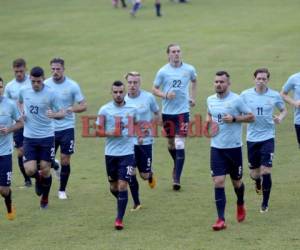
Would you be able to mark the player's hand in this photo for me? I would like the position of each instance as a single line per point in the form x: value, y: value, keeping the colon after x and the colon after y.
x: 23, y: 116
x: 277, y: 119
x: 192, y: 102
x: 227, y: 118
x: 210, y: 128
x: 140, y: 140
x: 4, y: 131
x: 69, y: 110
x: 50, y: 114
x: 297, y: 104
x: 170, y: 95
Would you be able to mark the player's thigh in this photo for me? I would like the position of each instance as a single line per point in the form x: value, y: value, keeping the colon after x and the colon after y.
x: 169, y: 125
x: 18, y: 138
x: 111, y: 164
x: 267, y: 153
x: 254, y: 155
x: 31, y: 150
x: 182, y: 124
x: 143, y: 157
x: 217, y: 162
x: 126, y: 167
x: 235, y: 163
x: 5, y: 170
x: 65, y: 139
x: 176, y: 124
x: 46, y: 149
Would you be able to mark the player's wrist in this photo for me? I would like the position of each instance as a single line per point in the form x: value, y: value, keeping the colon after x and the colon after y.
x: 234, y: 119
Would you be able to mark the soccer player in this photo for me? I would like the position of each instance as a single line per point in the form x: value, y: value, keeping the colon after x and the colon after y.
x: 137, y: 5
x: 10, y: 121
x: 114, y: 119
x: 261, y: 133
x: 148, y: 112
x: 293, y: 84
x: 228, y: 111
x: 12, y: 90
x: 116, y: 2
x: 73, y: 101
x: 172, y: 84
x: 40, y: 106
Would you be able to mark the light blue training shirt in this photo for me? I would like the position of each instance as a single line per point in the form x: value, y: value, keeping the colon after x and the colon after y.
x: 177, y: 80
x: 262, y: 106
x: 229, y: 134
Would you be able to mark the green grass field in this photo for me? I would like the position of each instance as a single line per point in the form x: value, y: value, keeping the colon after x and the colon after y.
x: 100, y: 44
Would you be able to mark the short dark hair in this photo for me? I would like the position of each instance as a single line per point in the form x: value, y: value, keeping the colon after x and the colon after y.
x: 171, y: 45
x: 19, y: 62
x: 1, y: 80
x: 117, y: 83
x: 37, y: 72
x: 262, y: 70
x: 222, y: 73
x: 58, y: 60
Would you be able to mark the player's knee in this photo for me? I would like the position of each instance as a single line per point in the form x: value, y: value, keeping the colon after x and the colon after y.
x: 4, y: 191
x: 65, y: 160
x: 122, y: 185
x: 266, y: 170
x: 113, y: 189
x: 29, y: 169
x: 45, y: 168
x: 179, y: 142
x: 237, y: 183
x: 144, y: 176
x: 255, y: 173
x: 219, y: 181
x: 113, y: 186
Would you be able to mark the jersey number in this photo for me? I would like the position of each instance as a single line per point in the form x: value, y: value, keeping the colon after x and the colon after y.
x: 8, y: 177
x: 34, y: 109
x: 220, y: 118
x: 259, y: 110
x: 176, y: 83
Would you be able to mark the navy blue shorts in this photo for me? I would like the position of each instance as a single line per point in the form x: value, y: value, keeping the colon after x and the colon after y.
x: 65, y: 139
x: 36, y: 149
x: 176, y: 124
x: 18, y: 138
x: 5, y: 170
x: 297, y: 128
x: 120, y: 167
x: 143, y: 157
x: 260, y: 153
x: 226, y: 161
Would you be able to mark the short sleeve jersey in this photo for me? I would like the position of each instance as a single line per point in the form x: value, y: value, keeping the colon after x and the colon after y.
x: 177, y: 80
x: 262, y: 106
x: 8, y: 115
x: 36, y: 104
x: 229, y: 134
x: 146, y: 105
x: 12, y: 89
x: 69, y: 93
x: 293, y: 84
x: 123, y: 116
